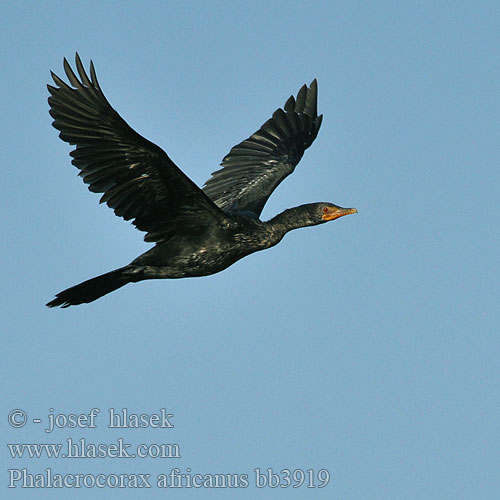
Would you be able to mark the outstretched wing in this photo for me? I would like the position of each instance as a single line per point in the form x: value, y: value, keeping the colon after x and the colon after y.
x: 137, y: 178
x: 252, y: 169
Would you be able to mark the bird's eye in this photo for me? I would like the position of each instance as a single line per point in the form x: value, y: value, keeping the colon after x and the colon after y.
x: 325, y: 209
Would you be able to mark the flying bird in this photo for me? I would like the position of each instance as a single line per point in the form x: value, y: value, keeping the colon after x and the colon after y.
x: 196, y: 231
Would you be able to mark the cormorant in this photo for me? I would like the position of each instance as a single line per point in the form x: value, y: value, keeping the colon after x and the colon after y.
x: 196, y: 231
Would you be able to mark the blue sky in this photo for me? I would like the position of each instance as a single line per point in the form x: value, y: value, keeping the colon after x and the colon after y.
x: 368, y: 347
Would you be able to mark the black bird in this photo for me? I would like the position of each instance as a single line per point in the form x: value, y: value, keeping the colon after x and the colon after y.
x: 196, y: 231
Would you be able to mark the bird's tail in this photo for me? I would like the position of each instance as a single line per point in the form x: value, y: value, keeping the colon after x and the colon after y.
x: 92, y: 289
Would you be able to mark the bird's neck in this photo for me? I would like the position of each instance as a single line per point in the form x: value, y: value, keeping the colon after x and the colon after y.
x: 290, y: 219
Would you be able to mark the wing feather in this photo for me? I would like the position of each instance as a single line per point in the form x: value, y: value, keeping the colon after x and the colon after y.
x: 254, y: 168
x: 136, y: 178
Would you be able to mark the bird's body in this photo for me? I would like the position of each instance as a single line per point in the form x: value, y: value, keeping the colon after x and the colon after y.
x: 211, y: 251
x: 197, y: 232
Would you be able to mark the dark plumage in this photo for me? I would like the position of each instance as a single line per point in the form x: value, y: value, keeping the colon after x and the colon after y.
x: 196, y: 232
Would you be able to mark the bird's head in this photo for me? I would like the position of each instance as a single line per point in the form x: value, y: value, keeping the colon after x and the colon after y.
x: 318, y: 213
x: 328, y: 211
x: 310, y: 214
